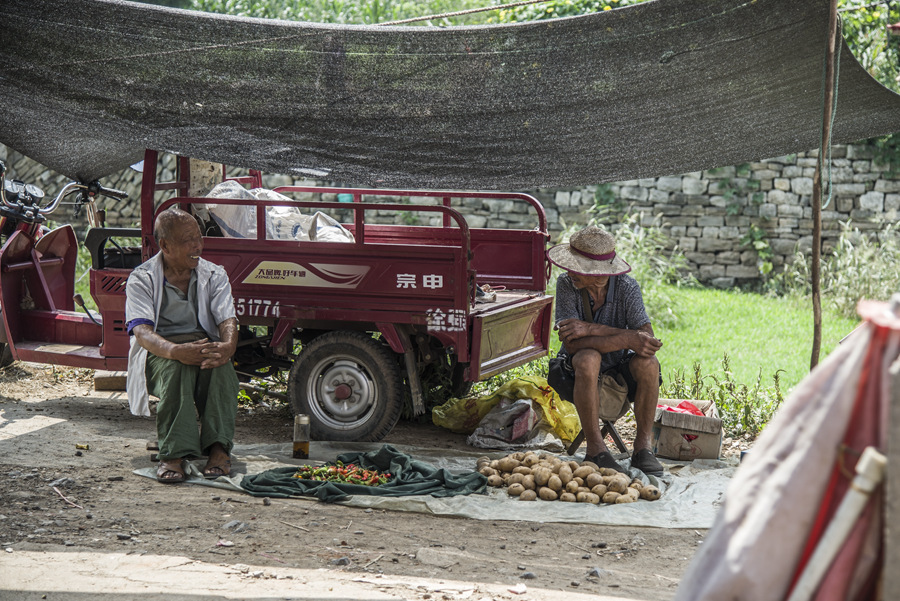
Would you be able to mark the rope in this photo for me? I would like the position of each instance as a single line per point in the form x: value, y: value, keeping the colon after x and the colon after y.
x: 463, y: 12
x: 825, y: 145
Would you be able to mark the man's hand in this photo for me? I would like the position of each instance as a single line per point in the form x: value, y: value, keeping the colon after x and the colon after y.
x: 216, y: 354
x: 573, y: 329
x: 644, y: 344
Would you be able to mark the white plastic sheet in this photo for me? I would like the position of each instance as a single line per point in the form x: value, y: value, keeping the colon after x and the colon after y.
x: 692, y: 493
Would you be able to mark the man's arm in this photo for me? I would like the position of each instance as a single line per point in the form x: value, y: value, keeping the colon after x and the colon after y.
x: 204, y: 353
x: 577, y: 335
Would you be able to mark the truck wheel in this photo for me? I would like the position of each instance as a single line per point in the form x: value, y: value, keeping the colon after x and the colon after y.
x: 6, y: 357
x: 350, y: 386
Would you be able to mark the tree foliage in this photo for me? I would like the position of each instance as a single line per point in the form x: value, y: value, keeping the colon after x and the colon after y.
x: 865, y: 27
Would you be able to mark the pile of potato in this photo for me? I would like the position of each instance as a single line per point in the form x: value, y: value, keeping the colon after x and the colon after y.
x: 530, y: 476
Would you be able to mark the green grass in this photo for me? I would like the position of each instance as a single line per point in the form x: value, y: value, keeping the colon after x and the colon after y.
x: 755, y: 331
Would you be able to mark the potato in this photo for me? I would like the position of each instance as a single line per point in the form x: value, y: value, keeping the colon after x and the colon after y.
x: 482, y: 461
x: 636, y: 485
x: 580, y: 481
x: 522, y: 470
x: 587, y: 497
x: 617, y: 485
x: 593, y: 480
x: 530, y: 460
x: 599, y: 489
x: 505, y: 477
x: 591, y: 465
x: 583, y: 472
x: 573, y: 465
x: 633, y: 493
x: 487, y: 471
x: 567, y: 497
x: 508, y: 464
x: 515, y: 490
x: 554, y: 467
x: 650, y: 493
x: 515, y: 479
x: 555, y: 483
x: 572, y: 486
x: 624, y: 499
x: 541, y: 475
x: 495, y: 463
x: 608, y: 471
x: 517, y: 456
x: 547, y: 494
x: 528, y: 482
x: 582, y: 489
x: 565, y: 474
x: 495, y: 480
x: 528, y: 495
x: 610, y: 497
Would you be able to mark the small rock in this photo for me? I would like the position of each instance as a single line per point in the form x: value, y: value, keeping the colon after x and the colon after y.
x: 575, y: 583
x: 267, y: 501
x: 340, y: 561
x: 502, y: 546
x: 123, y: 536
x: 78, y: 453
x: 528, y: 576
x: 217, y: 498
x: 369, y: 510
x: 116, y: 478
x: 598, y: 573
x: 586, y: 556
x: 599, y: 545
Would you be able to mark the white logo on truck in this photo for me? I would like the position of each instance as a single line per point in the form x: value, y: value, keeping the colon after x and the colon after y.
x: 319, y: 275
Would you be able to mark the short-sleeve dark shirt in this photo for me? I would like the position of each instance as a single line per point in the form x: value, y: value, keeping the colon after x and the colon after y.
x: 623, y: 309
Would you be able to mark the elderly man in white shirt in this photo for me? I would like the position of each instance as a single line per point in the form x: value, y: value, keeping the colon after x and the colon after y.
x: 180, y: 314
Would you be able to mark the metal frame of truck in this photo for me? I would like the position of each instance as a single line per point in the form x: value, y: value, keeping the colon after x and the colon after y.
x: 379, y: 320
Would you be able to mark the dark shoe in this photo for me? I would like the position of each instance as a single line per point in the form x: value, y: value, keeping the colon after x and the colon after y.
x: 647, y: 462
x: 605, y: 459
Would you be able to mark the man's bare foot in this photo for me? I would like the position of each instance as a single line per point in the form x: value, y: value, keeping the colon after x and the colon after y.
x: 170, y: 471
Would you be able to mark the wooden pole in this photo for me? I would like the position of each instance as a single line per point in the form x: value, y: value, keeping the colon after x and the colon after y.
x: 827, y: 107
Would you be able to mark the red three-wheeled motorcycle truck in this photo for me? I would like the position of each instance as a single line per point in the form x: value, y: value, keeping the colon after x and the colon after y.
x: 365, y: 326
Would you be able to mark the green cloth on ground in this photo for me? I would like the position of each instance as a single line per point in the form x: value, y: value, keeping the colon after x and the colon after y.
x: 186, y: 392
x: 409, y: 477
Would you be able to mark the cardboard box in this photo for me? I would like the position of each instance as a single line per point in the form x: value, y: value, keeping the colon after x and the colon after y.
x: 687, y: 437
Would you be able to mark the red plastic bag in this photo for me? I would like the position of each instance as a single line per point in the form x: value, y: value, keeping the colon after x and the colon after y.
x: 682, y: 407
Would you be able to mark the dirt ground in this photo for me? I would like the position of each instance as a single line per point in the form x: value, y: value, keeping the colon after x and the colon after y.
x: 63, y: 507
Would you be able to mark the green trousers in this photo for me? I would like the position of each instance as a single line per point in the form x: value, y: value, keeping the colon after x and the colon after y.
x: 186, y: 392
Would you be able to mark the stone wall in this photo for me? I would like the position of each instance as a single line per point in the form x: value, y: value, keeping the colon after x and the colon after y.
x: 709, y: 214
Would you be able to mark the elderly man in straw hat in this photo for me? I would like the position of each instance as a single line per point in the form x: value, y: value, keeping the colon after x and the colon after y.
x: 604, y: 329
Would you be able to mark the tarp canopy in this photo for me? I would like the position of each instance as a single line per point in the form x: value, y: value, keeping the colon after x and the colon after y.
x: 662, y: 87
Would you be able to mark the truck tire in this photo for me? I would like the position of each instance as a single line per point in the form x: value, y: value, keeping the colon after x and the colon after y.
x: 6, y: 357
x: 350, y: 386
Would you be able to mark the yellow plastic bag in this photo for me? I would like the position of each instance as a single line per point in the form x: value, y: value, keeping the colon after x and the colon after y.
x: 463, y: 415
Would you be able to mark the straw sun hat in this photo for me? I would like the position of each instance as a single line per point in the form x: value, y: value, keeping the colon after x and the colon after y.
x: 590, y: 251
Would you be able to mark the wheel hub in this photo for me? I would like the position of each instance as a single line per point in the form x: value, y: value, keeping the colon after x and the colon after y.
x: 342, y: 392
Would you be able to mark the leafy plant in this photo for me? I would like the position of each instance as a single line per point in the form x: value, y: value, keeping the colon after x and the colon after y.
x: 757, y: 238
x: 860, y: 266
x: 744, y: 409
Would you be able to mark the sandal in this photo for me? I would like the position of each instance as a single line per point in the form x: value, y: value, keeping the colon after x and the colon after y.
x: 605, y: 459
x: 647, y: 462
x: 170, y: 471
x: 211, y: 472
